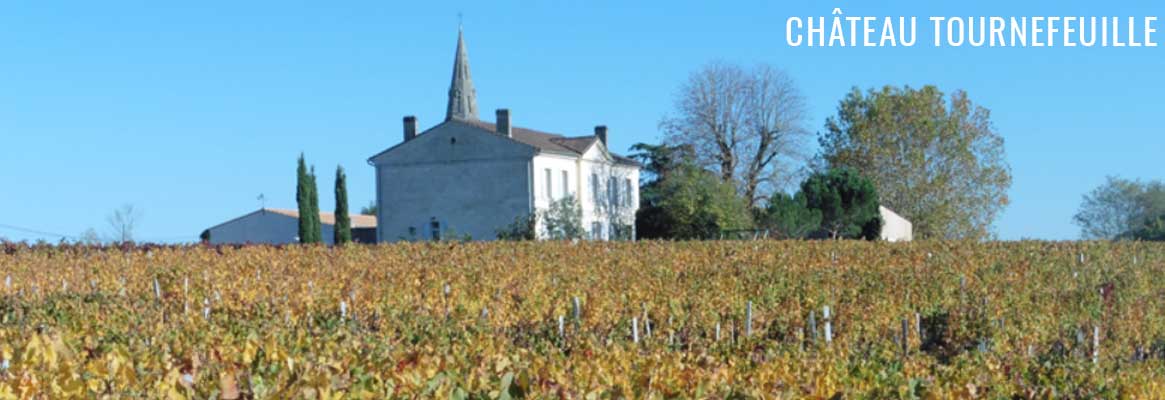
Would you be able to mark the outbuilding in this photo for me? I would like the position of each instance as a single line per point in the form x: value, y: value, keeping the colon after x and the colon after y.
x: 279, y: 226
x: 894, y: 227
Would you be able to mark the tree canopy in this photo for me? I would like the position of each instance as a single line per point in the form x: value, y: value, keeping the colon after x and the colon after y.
x: 1118, y: 207
x: 307, y: 199
x: 746, y: 125
x: 563, y: 219
x: 847, y: 203
x: 342, y: 234
x: 1152, y: 229
x: 788, y: 217
x: 683, y: 201
x: 369, y: 209
x: 937, y: 160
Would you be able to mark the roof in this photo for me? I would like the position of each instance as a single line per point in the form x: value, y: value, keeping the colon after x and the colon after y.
x: 327, y: 218
x: 548, y: 142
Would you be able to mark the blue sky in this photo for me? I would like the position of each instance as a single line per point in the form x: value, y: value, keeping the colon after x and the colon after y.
x: 190, y: 111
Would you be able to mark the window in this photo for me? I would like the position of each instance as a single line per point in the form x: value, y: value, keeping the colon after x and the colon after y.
x: 435, y: 228
x: 549, y: 186
x: 627, y: 193
x: 595, y: 188
x: 612, y: 191
x: 565, y: 184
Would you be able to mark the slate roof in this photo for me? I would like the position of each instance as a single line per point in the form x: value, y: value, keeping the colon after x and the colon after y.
x: 548, y: 142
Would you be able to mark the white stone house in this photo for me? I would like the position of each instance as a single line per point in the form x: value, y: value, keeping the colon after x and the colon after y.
x: 278, y: 226
x: 894, y: 227
x: 465, y: 176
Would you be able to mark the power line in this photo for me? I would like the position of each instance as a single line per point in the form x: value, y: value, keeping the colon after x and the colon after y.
x: 74, y: 237
x: 35, y: 232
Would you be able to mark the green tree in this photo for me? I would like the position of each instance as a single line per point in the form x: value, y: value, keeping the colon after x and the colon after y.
x: 847, y: 202
x: 302, y: 200
x: 659, y: 159
x: 317, y: 225
x: 563, y: 219
x: 308, y: 202
x: 342, y: 234
x: 935, y: 159
x: 1119, y: 206
x: 1153, y: 229
x: 370, y: 209
x: 680, y: 200
x: 789, y: 217
x: 523, y: 228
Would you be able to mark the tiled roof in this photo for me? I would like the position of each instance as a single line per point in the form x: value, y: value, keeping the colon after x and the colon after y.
x: 327, y: 218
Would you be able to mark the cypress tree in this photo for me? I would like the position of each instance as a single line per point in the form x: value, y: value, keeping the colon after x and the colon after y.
x: 314, y: 211
x: 343, y: 228
x: 303, y: 200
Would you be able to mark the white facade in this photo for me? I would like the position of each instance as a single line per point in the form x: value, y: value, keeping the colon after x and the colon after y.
x: 465, y: 179
x: 277, y: 226
x: 894, y: 227
x: 607, y: 192
x: 468, y: 178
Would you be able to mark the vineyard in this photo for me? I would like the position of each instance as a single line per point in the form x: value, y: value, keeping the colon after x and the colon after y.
x: 586, y: 320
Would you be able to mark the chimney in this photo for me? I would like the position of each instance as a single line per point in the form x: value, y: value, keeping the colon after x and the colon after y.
x: 410, y: 127
x: 601, y: 133
x: 503, y: 122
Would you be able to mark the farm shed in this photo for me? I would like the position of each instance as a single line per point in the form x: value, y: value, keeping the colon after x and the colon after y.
x: 894, y: 227
x: 278, y: 226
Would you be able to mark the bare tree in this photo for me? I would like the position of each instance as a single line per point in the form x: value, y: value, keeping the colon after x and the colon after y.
x: 89, y: 237
x: 747, y: 125
x: 122, y: 222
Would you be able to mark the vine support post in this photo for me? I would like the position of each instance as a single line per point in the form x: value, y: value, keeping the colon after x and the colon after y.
x: 1095, y: 344
x: 828, y: 325
x: 813, y: 327
x: 635, y: 330
x: 905, y: 337
x: 577, y: 311
x: 918, y: 327
x: 748, y: 320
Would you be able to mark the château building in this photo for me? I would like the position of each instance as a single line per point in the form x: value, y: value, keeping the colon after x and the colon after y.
x: 467, y: 177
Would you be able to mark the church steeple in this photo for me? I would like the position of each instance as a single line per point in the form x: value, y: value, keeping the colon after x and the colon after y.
x: 462, y: 97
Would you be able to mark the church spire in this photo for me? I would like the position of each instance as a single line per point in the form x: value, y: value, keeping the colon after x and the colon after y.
x: 462, y: 97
